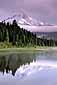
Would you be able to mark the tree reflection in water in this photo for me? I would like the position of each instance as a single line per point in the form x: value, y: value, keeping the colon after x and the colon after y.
x: 13, y: 61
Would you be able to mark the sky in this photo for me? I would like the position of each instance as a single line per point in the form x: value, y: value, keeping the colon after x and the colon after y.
x: 45, y: 10
x: 42, y: 10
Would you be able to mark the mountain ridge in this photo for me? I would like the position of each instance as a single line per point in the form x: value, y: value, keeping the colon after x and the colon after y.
x: 24, y: 19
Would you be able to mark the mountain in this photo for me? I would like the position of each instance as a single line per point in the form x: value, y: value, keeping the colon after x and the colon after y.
x: 24, y: 19
x: 41, y: 29
x: 31, y: 24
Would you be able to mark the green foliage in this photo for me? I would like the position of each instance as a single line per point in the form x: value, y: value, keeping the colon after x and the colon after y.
x: 13, y: 35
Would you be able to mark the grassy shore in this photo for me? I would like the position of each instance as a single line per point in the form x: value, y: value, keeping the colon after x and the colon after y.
x: 27, y: 49
x: 24, y: 49
x: 8, y: 47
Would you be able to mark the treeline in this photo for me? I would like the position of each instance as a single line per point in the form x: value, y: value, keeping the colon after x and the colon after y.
x: 12, y: 33
x: 46, y: 42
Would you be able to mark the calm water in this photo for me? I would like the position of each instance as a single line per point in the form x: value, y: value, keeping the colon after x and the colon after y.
x: 38, y: 68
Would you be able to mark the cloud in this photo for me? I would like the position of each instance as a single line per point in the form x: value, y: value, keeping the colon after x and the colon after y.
x: 45, y: 10
x: 10, y: 7
x: 42, y: 8
x: 8, y: 4
x: 19, y: 5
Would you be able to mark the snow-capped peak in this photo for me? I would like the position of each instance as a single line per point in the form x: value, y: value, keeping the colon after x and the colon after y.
x: 27, y: 20
x: 23, y: 19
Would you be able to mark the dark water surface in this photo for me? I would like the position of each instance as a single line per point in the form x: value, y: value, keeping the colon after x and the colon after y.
x: 36, y: 68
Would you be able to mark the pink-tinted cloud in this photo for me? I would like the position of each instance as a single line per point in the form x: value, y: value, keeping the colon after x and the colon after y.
x: 42, y: 8
x: 40, y: 28
x: 10, y: 7
x: 45, y: 10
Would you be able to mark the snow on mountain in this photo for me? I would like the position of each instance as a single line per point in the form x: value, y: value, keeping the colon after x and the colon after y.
x: 41, y: 24
x: 22, y: 19
x: 11, y: 18
x: 27, y: 20
x: 31, y: 24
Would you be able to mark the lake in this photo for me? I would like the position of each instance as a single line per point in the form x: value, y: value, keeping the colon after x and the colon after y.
x: 28, y: 68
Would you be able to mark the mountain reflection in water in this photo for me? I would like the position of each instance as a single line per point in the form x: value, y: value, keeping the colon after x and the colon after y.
x: 29, y: 68
x: 10, y: 63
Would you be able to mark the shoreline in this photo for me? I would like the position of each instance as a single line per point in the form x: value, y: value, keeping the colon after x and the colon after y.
x: 28, y: 49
